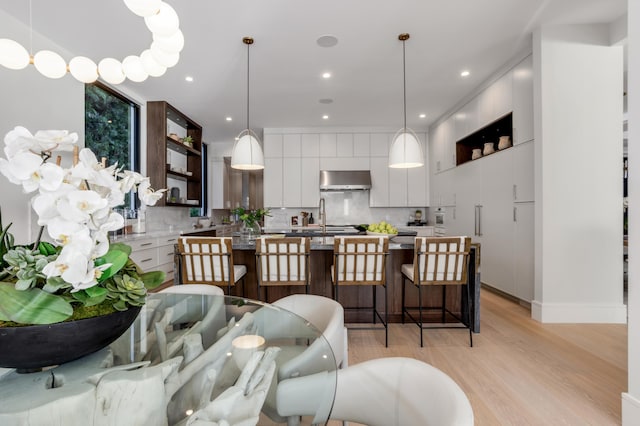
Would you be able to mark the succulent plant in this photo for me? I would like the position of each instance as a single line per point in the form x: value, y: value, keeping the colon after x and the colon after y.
x: 126, y: 290
x: 26, y: 265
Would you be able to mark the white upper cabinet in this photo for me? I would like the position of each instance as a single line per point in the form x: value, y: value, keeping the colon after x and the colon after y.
x: 502, y: 94
x: 380, y: 144
x: 310, y: 182
x: 291, y: 146
x: 344, y: 144
x: 292, y: 182
x: 272, y: 146
x: 361, y: 146
x: 273, y: 182
x: 328, y: 145
x: 379, y: 192
x: 523, y: 101
x: 466, y: 120
x: 310, y: 145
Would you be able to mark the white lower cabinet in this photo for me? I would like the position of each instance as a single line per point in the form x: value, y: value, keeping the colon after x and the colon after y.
x: 154, y: 254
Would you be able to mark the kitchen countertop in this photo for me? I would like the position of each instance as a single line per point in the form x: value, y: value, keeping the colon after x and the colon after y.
x: 326, y: 243
x: 170, y: 230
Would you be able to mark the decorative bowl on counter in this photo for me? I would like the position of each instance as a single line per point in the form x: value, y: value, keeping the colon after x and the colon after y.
x: 380, y: 234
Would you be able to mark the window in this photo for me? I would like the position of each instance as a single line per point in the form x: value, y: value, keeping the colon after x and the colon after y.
x: 112, y: 128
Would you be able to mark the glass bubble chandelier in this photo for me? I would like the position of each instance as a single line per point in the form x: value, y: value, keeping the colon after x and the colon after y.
x: 164, y: 52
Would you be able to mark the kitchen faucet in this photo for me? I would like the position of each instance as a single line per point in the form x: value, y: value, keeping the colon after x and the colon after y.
x: 323, y: 215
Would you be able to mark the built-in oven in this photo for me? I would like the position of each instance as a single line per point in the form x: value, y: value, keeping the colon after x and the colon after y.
x: 439, y: 225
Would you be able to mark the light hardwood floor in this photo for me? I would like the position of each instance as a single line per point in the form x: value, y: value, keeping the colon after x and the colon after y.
x: 519, y: 372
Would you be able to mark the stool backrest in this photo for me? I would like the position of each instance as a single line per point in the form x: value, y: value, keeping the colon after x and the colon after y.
x: 360, y: 260
x: 206, y: 260
x: 283, y: 261
x: 441, y: 260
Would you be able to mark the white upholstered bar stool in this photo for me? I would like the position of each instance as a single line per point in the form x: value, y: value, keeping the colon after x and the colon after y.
x: 361, y: 261
x: 209, y: 260
x: 282, y: 262
x: 438, y: 261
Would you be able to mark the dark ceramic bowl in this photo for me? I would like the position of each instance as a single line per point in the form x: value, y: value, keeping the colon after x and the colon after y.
x: 37, y: 346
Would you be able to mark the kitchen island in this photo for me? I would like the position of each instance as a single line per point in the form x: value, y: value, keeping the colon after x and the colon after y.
x: 400, y: 252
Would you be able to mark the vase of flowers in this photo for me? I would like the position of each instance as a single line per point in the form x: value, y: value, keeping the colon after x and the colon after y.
x: 250, y: 222
x: 77, y: 273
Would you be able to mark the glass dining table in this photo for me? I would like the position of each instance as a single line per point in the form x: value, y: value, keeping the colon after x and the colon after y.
x: 186, y: 360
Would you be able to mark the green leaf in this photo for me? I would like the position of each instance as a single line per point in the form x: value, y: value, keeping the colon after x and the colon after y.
x: 152, y: 279
x: 96, y: 291
x: 116, y: 257
x: 91, y: 296
x: 46, y: 248
x: 32, y: 306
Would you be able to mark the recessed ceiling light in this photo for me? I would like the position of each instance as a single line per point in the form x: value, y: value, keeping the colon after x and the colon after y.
x: 228, y: 118
x: 465, y: 73
x: 325, y: 117
x: 326, y: 101
x: 326, y: 75
x: 422, y: 115
x: 327, y: 41
x: 189, y: 78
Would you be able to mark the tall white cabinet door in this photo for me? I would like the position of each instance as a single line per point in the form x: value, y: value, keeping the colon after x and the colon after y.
x: 524, y: 261
x: 379, y: 144
x: 273, y: 182
x: 361, y: 146
x: 502, y: 93
x: 523, y: 101
x: 291, y: 182
x: 310, y: 182
x: 523, y: 172
x: 497, y: 221
x: 397, y: 187
x: 468, y: 190
x: 379, y: 193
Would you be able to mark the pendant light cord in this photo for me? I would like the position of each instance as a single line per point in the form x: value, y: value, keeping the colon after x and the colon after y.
x: 404, y: 85
x: 248, y: 45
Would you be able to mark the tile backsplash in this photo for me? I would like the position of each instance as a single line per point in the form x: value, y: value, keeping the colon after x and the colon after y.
x: 346, y: 208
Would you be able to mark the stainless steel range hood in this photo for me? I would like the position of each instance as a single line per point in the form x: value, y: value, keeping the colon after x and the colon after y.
x: 345, y: 180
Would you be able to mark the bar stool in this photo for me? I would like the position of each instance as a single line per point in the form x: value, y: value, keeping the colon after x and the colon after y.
x: 282, y: 262
x: 361, y: 261
x: 438, y: 261
x: 209, y: 260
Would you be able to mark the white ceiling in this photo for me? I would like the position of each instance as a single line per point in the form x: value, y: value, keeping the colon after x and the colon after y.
x: 447, y: 36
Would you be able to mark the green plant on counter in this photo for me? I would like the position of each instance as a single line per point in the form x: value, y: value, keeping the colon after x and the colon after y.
x: 250, y: 217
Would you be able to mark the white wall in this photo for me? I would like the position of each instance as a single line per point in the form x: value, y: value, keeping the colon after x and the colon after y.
x: 38, y: 103
x: 578, y: 174
x: 631, y: 399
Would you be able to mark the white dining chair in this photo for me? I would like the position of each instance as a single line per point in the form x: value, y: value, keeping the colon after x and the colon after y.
x: 207, y: 289
x: 381, y: 392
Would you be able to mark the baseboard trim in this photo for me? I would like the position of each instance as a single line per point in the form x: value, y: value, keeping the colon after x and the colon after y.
x: 579, y: 313
x: 630, y: 410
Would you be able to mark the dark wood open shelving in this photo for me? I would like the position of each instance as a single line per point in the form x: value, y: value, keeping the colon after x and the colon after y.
x: 158, y: 141
x: 489, y: 133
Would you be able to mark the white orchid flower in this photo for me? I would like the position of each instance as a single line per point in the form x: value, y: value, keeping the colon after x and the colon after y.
x: 17, y: 140
x: 70, y: 265
x: 91, y: 278
x: 49, y: 140
x: 48, y: 177
x: 66, y: 232
x: 21, y: 169
x: 147, y: 195
x: 79, y: 205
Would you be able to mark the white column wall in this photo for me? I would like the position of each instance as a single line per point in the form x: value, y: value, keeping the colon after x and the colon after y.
x: 578, y: 173
x: 631, y: 399
x: 38, y: 103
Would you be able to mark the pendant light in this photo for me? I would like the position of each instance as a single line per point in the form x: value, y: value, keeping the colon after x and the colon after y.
x: 247, y: 153
x: 405, y: 149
